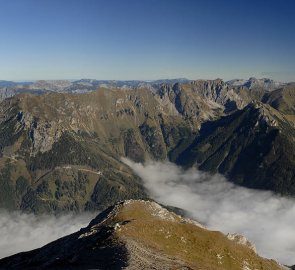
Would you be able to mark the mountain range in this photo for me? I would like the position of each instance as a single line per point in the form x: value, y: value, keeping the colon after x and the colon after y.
x: 61, y: 149
x: 10, y: 88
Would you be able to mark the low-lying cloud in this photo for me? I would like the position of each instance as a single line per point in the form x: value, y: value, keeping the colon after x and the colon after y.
x: 23, y: 232
x: 264, y: 218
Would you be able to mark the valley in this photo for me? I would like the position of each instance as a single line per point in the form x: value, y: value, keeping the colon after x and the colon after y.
x: 53, y: 145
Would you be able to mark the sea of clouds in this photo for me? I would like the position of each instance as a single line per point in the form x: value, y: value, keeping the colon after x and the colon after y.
x: 265, y: 219
x: 23, y: 232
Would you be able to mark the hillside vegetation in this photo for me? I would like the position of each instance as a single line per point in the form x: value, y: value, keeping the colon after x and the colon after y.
x: 62, y: 152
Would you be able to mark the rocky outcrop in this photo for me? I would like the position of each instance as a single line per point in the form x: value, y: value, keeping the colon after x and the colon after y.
x: 221, y: 93
x: 241, y: 240
x: 42, y: 134
x: 6, y: 92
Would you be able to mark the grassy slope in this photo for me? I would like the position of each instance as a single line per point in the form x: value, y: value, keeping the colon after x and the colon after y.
x: 198, y: 247
x: 141, y: 235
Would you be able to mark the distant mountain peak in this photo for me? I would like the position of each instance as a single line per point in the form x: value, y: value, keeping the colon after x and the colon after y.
x: 264, y: 83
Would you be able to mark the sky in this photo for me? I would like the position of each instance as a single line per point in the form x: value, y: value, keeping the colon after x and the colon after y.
x: 147, y: 39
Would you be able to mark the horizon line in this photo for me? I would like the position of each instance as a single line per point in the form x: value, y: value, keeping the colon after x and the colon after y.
x: 141, y: 80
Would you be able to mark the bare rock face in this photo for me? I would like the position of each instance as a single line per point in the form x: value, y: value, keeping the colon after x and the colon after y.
x: 221, y: 93
x: 6, y: 93
x: 42, y: 134
x: 192, y: 101
x: 137, y: 234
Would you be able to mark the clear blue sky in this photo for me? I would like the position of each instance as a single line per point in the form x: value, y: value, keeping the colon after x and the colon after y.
x: 147, y: 39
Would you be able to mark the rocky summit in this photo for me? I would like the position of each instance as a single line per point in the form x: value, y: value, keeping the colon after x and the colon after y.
x: 137, y: 234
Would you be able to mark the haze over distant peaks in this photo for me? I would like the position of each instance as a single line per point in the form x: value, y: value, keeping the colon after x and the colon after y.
x: 252, y: 82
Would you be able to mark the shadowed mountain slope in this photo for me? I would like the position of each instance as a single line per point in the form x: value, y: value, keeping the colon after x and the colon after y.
x: 254, y: 147
x: 62, y: 152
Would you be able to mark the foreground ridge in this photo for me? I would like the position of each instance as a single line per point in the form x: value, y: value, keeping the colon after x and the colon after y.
x: 138, y: 234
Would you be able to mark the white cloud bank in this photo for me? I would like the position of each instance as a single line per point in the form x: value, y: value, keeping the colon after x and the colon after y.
x: 265, y: 219
x: 23, y: 232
